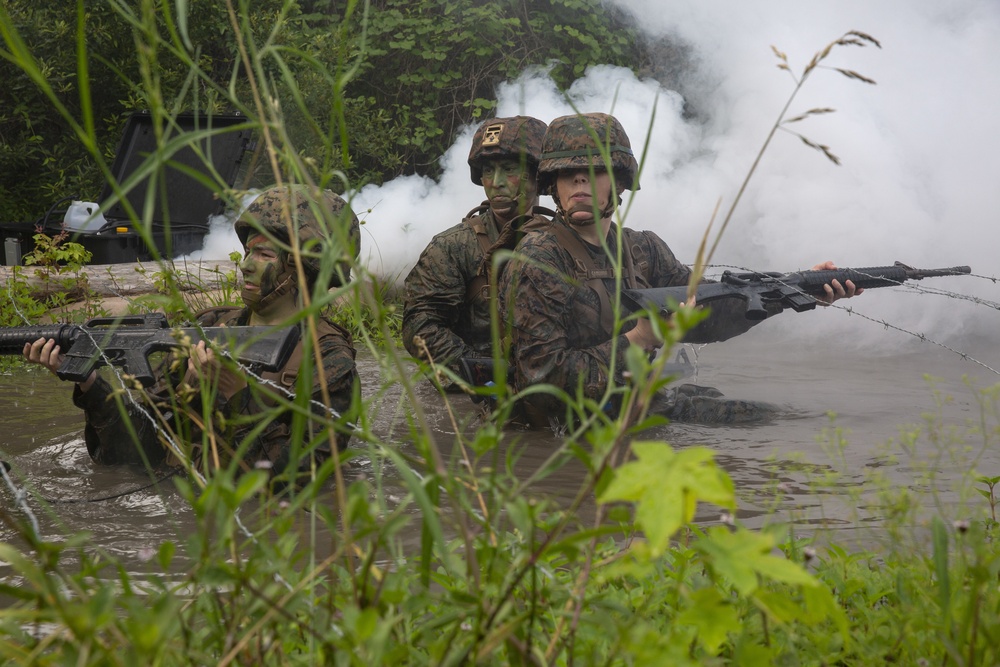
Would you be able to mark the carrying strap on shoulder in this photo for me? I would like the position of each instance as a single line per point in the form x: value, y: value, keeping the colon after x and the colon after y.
x: 589, y: 274
x: 478, y: 287
x: 474, y: 221
x: 540, y: 218
x: 288, y: 375
x: 587, y: 271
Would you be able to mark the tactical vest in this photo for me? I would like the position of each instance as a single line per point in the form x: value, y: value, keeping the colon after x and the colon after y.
x: 593, y: 277
x: 479, y: 287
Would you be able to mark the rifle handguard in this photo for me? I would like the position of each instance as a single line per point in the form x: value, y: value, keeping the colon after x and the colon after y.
x: 796, y: 290
x: 128, y: 341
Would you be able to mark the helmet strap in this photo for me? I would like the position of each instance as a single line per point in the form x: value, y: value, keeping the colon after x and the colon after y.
x: 287, y: 284
x: 606, y: 212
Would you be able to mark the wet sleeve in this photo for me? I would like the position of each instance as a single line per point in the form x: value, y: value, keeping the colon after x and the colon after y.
x: 342, y: 384
x: 107, y: 432
x: 435, y: 292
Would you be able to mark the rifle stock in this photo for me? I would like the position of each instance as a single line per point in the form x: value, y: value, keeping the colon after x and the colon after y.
x: 797, y: 290
x: 128, y: 341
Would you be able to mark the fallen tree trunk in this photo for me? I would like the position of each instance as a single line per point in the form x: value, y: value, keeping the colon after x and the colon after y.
x: 121, y: 280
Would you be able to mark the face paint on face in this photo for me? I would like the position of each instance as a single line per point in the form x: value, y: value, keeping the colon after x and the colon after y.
x: 262, y: 269
x: 510, y: 188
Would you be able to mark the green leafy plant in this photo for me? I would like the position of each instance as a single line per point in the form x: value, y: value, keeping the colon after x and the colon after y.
x: 989, y: 493
x: 57, y: 254
x: 56, y: 281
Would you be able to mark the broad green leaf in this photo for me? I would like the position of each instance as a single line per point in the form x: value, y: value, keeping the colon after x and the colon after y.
x: 778, y: 605
x: 743, y: 556
x: 754, y: 655
x: 666, y: 487
x: 713, y: 617
x: 249, y: 485
x: 819, y: 603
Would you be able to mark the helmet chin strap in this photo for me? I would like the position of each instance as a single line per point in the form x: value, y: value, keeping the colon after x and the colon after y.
x: 286, y: 285
x: 606, y: 212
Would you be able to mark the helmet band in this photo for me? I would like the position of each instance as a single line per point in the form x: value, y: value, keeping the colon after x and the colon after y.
x: 586, y: 152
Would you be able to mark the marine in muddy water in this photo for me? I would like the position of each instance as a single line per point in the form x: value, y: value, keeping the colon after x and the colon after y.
x: 446, y: 314
x: 558, y: 289
x: 251, y: 425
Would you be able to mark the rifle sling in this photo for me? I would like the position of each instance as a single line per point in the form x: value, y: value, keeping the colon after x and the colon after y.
x: 478, y: 287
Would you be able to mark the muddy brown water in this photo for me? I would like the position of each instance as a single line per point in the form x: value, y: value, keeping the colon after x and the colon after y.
x: 775, y: 465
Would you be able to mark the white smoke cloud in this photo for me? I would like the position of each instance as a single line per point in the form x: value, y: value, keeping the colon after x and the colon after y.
x: 404, y: 214
x: 919, y: 149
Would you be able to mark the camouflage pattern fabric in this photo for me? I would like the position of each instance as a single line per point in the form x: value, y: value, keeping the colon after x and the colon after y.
x: 556, y: 332
x: 336, y: 232
x: 438, y: 306
x: 569, y: 143
x: 706, y: 405
x: 107, y: 432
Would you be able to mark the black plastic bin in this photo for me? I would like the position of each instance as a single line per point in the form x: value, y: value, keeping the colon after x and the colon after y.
x: 183, y: 206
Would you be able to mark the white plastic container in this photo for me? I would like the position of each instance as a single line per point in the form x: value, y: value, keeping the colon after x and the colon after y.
x: 84, y: 216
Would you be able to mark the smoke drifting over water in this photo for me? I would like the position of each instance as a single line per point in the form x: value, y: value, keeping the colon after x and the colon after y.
x: 920, y: 151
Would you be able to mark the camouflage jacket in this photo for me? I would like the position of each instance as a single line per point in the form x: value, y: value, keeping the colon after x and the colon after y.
x: 560, y: 329
x: 447, y: 291
x: 107, y: 430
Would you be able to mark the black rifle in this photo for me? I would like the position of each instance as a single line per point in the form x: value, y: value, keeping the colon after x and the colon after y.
x: 128, y: 341
x: 794, y: 290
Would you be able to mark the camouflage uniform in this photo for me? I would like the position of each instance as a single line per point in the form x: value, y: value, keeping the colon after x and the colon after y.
x: 107, y: 431
x: 560, y: 336
x: 557, y: 293
x: 445, y: 304
x: 447, y: 291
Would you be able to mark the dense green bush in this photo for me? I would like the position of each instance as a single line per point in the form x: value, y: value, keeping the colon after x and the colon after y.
x: 381, y: 89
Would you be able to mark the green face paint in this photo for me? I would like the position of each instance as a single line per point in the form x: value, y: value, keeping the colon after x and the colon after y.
x: 263, y: 268
x: 509, y: 186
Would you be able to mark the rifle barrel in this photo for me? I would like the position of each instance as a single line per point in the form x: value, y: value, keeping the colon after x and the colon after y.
x: 874, y: 276
x: 13, y: 339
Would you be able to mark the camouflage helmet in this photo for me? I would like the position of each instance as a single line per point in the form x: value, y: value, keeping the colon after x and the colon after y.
x: 499, y: 138
x: 569, y: 143
x: 338, y: 231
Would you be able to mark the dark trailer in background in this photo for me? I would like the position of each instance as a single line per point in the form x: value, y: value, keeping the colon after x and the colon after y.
x: 182, y: 205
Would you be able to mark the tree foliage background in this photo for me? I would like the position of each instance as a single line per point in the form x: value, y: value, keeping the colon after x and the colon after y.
x: 429, y: 68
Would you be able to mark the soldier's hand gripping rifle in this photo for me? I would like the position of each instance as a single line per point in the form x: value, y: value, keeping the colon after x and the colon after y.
x: 797, y: 290
x: 128, y: 341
